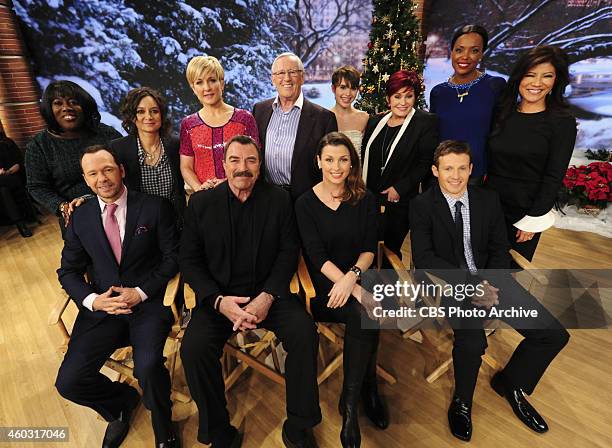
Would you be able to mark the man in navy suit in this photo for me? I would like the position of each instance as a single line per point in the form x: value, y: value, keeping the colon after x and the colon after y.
x: 458, y: 231
x: 127, y: 243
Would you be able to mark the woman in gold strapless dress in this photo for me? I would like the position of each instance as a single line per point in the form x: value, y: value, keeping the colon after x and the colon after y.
x: 351, y: 122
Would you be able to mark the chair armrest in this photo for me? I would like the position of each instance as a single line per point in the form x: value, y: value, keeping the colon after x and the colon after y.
x: 171, y: 290
x: 58, y: 308
x: 306, y: 283
x: 529, y: 267
x: 190, y: 298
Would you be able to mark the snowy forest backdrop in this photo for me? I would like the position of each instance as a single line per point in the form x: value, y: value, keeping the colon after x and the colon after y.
x: 110, y: 46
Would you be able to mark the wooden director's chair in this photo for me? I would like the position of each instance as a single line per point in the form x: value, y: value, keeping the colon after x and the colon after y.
x: 121, y: 362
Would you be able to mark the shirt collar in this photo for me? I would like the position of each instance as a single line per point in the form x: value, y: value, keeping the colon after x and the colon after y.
x: 121, y: 202
x: 464, y: 198
x: 299, y: 103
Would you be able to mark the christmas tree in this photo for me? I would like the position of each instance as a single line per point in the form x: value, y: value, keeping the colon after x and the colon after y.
x: 394, y: 45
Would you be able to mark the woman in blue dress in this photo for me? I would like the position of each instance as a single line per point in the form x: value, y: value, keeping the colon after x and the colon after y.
x: 464, y: 104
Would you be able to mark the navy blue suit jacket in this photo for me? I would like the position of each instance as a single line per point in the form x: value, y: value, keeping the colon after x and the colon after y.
x: 149, y: 254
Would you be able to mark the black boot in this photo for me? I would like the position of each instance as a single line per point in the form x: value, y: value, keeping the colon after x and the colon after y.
x: 350, y: 435
x: 373, y: 404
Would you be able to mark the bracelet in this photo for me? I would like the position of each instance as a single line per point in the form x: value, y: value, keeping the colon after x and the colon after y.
x: 357, y: 271
x: 218, y: 303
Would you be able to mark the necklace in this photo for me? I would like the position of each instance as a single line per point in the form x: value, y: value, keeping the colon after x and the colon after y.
x: 467, y: 86
x: 152, y: 157
x: 385, y: 149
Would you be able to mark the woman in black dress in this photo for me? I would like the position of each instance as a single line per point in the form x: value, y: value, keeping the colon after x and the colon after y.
x: 531, y: 145
x: 12, y: 185
x: 52, y: 158
x: 150, y: 154
x: 397, y: 154
x: 337, y: 219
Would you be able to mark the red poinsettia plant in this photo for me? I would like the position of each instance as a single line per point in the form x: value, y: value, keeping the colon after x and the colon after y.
x: 589, y: 184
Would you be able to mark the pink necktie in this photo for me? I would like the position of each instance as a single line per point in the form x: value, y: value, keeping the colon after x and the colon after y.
x: 111, y: 228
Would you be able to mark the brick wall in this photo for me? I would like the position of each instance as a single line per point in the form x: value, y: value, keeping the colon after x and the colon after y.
x: 19, y: 93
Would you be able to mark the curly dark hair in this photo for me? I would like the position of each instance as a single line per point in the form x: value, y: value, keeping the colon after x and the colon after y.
x: 69, y: 89
x: 129, y: 105
x: 555, y: 101
x: 354, y: 186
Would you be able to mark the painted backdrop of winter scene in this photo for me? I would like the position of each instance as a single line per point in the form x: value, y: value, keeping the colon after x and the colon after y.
x: 111, y: 46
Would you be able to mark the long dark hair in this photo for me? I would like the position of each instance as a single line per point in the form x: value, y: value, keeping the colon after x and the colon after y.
x: 129, y: 105
x: 69, y: 89
x: 555, y: 102
x: 355, y: 188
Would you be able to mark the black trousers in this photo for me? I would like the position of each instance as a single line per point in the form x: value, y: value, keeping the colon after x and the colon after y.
x: 202, y: 348
x: 80, y: 381
x: 395, y: 225
x: 360, y: 344
x: 12, y: 193
x: 544, y: 338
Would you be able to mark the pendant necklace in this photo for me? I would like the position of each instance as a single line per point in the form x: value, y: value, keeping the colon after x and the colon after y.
x: 466, y: 87
x: 385, y: 150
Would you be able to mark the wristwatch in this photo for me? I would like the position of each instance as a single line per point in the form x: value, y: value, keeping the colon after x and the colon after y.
x: 357, y: 271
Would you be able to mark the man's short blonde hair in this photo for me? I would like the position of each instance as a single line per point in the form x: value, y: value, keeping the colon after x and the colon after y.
x: 201, y: 65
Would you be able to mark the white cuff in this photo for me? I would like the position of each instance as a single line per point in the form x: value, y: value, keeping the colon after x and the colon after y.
x: 143, y: 296
x: 536, y: 224
x: 89, y: 300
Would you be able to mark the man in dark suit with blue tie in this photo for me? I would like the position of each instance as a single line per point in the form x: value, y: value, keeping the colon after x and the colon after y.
x: 458, y: 232
x: 127, y: 243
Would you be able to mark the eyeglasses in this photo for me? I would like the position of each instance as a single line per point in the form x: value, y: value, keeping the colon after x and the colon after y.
x: 291, y: 73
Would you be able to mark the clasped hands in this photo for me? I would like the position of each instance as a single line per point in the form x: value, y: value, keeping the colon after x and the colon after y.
x: 118, y: 304
x: 210, y: 183
x: 248, y: 317
x: 489, y: 298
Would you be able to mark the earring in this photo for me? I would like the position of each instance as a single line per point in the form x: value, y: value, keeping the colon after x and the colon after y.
x: 319, y: 165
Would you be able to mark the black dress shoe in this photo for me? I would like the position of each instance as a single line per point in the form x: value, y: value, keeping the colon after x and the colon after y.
x: 23, y: 230
x: 350, y: 435
x: 373, y: 405
x: 308, y: 441
x: 521, y: 407
x: 460, y: 419
x: 117, y: 430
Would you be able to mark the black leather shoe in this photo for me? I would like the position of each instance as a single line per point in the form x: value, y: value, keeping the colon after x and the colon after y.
x: 23, y: 230
x: 117, y: 430
x: 521, y: 407
x: 307, y: 442
x: 460, y: 419
x: 373, y: 405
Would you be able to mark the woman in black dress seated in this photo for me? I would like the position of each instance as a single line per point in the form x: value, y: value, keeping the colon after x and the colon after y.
x: 531, y: 145
x: 397, y: 154
x: 149, y: 154
x: 12, y: 185
x: 338, y: 226
x: 52, y: 158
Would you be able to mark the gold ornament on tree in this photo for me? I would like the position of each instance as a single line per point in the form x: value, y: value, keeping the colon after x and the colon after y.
x: 395, y: 47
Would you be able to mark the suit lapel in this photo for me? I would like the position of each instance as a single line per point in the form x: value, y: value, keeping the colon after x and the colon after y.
x: 134, y: 204
x: 443, y: 211
x: 267, y: 115
x: 260, y: 211
x: 476, y: 221
x: 303, y: 132
x: 98, y: 228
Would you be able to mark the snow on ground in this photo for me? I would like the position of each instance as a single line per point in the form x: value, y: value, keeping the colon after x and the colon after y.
x: 599, y: 103
x: 572, y: 220
x: 594, y: 133
x: 326, y: 97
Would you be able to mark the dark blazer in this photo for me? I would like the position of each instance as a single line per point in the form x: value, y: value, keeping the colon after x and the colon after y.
x: 206, y: 242
x: 149, y: 254
x: 433, y: 235
x: 126, y: 149
x: 412, y: 158
x: 315, y: 122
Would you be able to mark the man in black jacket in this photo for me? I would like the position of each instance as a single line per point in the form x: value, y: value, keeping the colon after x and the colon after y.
x: 459, y: 232
x: 127, y: 242
x: 239, y: 250
x: 290, y: 128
